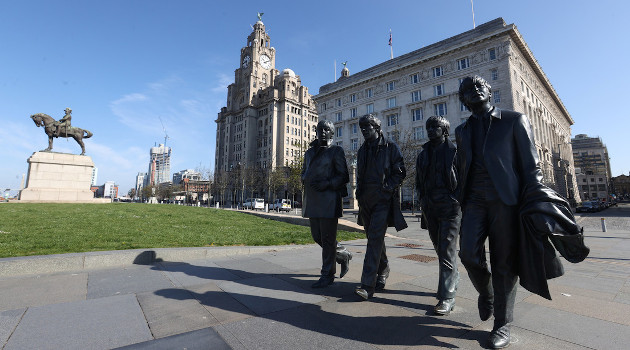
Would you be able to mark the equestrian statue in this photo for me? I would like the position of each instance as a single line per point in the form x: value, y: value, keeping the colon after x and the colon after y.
x: 61, y: 128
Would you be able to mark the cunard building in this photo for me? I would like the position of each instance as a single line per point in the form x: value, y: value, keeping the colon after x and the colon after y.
x: 406, y: 90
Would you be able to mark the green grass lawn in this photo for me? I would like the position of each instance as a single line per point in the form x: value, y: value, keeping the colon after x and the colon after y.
x: 41, y: 229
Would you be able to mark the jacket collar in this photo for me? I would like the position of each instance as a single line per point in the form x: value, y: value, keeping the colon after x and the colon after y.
x: 494, y: 112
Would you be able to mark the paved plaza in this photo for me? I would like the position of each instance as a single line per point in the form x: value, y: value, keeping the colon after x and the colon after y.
x: 260, y: 298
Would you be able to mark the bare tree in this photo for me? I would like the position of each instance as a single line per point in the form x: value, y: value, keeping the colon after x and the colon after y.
x: 410, y: 147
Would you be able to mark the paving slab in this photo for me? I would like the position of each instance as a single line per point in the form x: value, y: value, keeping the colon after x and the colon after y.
x: 102, y: 323
x: 269, y: 334
x: 221, y: 305
x: 520, y: 339
x: 250, y: 267
x: 173, y: 311
x: 125, y: 280
x: 196, y: 272
x: 567, y: 326
x: 368, y: 322
x: 600, y: 284
x: 586, y: 306
x: 268, y: 294
x: 9, y: 319
x: 17, y: 292
x: 305, y: 278
x: 202, y: 339
x: 306, y: 258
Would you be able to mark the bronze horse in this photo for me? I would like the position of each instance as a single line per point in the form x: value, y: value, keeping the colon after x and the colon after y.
x: 50, y: 125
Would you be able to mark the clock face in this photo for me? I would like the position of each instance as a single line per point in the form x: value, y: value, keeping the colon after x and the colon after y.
x: 246, y: 60
x: 265, y: 61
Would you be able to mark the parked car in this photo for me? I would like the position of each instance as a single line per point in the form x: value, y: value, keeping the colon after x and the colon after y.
x: 254, y: 203
x: 281, y: 204
x: 588, y: 207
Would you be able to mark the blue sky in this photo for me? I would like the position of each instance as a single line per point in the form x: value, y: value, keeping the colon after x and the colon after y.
x: 121, y: 65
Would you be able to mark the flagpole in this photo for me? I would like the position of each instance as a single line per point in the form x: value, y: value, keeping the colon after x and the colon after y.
x: 335, y: 72
x: 472, y: 7
x: 391, y: 47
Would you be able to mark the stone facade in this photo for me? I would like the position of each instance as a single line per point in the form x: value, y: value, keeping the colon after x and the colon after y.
x: 403, y: 92
x: 58, y: 177
x: 269, y: 117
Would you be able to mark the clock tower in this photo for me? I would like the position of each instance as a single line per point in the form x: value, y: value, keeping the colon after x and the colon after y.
x: 268, y: 120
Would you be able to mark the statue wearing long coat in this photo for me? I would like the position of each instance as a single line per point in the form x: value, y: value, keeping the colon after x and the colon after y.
x: 328, y: 164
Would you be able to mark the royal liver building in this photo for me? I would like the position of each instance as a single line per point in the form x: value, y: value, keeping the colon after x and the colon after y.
x: 268, y: 120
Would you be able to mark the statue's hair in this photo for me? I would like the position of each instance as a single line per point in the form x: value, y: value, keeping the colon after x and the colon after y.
x: 371, y: 118
x: 328, y: 123
x: 441, y: 122
x: 472, y: 80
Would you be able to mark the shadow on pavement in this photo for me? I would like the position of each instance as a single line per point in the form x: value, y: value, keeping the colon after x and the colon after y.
x: 287, y: 298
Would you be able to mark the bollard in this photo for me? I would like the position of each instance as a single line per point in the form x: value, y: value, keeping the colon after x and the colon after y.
x: 603, y: 225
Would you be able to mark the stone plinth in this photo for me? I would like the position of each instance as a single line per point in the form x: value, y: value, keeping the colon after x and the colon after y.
x: 58, y: 177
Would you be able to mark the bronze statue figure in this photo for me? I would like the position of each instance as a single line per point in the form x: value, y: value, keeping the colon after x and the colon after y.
x: 324, y: 176
x: 380, y: 172
x: 436, y: 184
x: 504, y: 201
x: 61, y: 128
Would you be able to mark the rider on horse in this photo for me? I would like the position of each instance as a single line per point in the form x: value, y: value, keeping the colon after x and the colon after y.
x: 64, y: 122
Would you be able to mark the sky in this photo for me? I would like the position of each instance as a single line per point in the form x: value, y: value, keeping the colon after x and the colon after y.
x: 135, y: 70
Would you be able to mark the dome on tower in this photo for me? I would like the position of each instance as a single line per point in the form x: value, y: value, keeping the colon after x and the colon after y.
x: 288, y: 73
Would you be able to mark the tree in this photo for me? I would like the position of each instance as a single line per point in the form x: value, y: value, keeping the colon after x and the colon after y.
x: 132, y: 193
x: 410, y: 148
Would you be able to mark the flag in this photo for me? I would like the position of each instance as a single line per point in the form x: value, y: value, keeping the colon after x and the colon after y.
x: 390, y: 37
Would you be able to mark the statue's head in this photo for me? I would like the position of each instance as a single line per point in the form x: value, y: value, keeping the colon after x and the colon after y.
x: 370, y: 127
x: 67, y: 110
x: 325, y: 132
x: 441, y: 123
x: 474, y: 90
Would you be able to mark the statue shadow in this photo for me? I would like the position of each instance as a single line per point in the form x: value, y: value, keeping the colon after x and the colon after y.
x: 286, y: 298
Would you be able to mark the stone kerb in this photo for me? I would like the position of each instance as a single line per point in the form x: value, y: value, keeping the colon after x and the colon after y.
x: 59, y: 177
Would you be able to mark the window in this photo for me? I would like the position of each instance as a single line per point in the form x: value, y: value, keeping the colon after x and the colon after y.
x: 353, y: 112
x: 391, y: 102
x: 600, y: 179
x: 339, y: 131
x: 462, y: 107
x: 497, y: 96
x: 392, y: 119
x: 418, y: 133
x: 440, y: 109
x: 391, y: 85
x: 415, y: 96
x: 492, y: 53
x: 338, y: 116
x: 463, y: 63
x: 415, y: 78
x: 437, y: 71
x: 370, y: 108
x: 495, y: 74
x: 354, y: 144
x: 323, y: 106
x: 601, y: 187
x: 369, y: 92
x: 353, y: 98
x: 438, y: 90
x: 338, y: 102
x: 339, y: 143
x: 416, y: 114
x: 354, y: 127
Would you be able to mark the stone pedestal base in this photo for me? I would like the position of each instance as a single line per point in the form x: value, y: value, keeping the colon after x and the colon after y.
x: 59, y: 178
